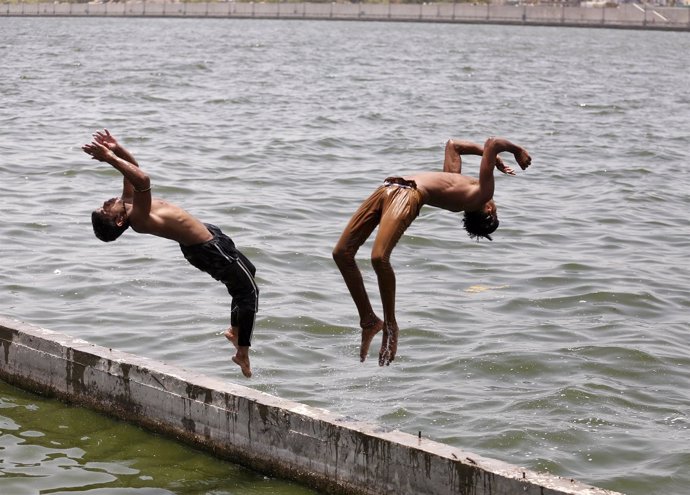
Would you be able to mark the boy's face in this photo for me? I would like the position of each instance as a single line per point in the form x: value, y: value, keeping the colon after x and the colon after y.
x: 490, y: 208
x: 112, y: 208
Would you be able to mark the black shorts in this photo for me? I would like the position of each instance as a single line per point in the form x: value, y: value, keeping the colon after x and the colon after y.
x: 223, y: 261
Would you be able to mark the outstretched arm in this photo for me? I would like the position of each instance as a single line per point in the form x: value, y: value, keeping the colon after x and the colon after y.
x: 455, y: 148
x: 108, y: 140
x: 492, y: 147
x: 139, y: 182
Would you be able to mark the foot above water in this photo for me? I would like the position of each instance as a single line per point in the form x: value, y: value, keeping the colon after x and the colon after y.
x: 241, y: 358
x: 368, y: 334
x: 389, y: 344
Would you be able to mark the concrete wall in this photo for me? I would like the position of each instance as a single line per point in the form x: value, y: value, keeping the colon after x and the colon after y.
x: 622, y: 16
x: 278, y: 437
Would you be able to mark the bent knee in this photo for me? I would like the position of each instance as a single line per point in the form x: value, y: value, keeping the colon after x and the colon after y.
x: 380, y: 261
x: 342, y: 255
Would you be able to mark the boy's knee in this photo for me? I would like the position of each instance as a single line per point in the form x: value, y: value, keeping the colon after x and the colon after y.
x: 341, y: 255
x: 380, y: 261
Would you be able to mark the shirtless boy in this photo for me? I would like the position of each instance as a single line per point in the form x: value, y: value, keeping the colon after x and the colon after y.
x: 203, y: 245
x: 395, y: 204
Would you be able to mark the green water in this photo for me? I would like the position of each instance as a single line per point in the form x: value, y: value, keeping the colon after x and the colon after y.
x: 47, y: 446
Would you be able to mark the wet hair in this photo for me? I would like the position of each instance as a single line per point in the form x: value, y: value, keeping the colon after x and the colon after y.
x: 106, y: 228
x: 480, y: 224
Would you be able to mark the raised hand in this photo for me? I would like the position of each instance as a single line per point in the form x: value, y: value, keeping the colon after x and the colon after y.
x: 106, y: 139
x: 501, y: 166
x: 523, y: 158
x: 97, y: 151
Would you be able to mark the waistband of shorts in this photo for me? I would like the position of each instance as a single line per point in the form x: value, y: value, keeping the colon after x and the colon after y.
x: 215, y: 232
x: 400, y: 182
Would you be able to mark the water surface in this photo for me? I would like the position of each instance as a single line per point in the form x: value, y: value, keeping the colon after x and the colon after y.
x: 49, y: 447
x: 561, y: 346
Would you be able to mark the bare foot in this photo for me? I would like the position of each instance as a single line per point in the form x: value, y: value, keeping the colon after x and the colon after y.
x: 368, y: 333
x: 389, y: 344
x: 243, y: 363
x: 230, y: 335
x: 241, y: 358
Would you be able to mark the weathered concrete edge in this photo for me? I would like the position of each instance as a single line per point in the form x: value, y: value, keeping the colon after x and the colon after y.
x: 279, y: 437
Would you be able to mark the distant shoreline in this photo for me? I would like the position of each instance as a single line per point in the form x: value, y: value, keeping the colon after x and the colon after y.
x: 625, y: 16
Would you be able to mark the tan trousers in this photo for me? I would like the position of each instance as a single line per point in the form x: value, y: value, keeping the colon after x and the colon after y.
x: 392, y: 207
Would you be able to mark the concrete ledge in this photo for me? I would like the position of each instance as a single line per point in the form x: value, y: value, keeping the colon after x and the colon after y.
x: 278, y: 437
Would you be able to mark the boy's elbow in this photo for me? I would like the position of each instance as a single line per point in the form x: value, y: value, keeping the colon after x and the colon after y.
x: 490, y: 143
x: 496, y: 145
x: 143, y: 183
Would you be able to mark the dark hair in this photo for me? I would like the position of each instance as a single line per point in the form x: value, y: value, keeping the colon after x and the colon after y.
x: 480, y: 224
x: 106, y: 228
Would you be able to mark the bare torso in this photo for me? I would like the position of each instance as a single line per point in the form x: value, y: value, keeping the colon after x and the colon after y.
x: 450, y: 191
x: 170, y: 221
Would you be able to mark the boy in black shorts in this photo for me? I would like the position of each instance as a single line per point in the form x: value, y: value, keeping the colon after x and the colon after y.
x: 203, y: 245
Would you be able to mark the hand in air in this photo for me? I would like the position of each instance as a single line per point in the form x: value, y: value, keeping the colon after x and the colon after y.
x: 501, y: 166
x: 106, y: 139
x: 523, y: 158
x: 97, y: 151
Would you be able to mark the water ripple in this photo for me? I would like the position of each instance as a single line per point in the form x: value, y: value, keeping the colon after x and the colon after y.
x: 560, y: 346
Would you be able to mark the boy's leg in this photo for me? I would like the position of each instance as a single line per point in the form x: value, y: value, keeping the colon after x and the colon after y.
x: 358, y: 229
x: 240, y: 334
x: 399, y: 212
x: 225, y: 263
x: 239, y: 280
